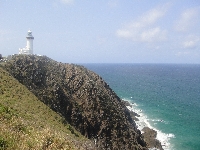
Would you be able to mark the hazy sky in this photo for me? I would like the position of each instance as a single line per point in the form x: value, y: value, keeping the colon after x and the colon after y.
x: 104, y: 31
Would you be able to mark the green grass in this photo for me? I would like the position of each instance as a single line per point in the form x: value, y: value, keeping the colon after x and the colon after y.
x: 27, y: 123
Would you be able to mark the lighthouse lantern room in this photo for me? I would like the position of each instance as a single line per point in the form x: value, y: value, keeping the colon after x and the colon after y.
x: 29, y: 45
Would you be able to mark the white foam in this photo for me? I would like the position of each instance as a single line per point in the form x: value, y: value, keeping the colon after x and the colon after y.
x: 164, y: 138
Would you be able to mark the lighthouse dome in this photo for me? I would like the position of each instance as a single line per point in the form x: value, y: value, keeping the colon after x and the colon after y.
x: 29, y: 35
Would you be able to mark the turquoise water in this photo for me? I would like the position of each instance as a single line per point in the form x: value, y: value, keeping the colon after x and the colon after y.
x: 168, y: 94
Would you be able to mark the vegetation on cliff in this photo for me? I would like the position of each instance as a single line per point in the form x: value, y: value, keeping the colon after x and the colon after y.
x: 81, y: 97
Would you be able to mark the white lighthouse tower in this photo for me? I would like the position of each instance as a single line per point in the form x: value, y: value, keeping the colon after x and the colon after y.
x: 29, y: 45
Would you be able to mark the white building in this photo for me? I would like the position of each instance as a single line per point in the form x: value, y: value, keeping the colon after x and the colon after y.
x: 29, y: 45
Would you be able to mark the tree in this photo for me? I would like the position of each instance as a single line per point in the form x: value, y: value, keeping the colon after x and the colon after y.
x: 1, y: 57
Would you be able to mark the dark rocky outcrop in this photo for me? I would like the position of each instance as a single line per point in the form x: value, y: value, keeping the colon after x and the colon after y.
x: 82, y: 97
x: 150, y: 138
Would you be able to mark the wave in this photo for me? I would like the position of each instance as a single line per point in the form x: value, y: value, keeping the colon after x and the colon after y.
x: 164, y: 138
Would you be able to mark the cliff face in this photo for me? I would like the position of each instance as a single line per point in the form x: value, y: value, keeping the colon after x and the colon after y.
x: 82, y: 97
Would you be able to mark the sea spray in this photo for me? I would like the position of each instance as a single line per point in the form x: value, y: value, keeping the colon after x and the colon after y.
x: 144, y: 121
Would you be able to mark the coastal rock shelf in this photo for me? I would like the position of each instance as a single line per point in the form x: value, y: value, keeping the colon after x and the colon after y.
x: 82, y: 97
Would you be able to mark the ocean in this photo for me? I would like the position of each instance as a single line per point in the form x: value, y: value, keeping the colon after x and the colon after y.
x: 167, y: 97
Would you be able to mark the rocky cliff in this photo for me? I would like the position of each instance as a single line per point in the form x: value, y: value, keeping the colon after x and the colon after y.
x: 82, y: 97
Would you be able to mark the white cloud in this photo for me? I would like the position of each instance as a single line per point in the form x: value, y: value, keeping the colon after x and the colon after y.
x: 145, y: 28
x: 151, y: 17
x: 125, y: 33
x: 67, y: 1
x: 187, y: 19
x: 153, y: 34
x: 191, y: 42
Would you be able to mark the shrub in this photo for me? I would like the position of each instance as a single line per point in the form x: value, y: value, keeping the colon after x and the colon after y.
x: 3, y: 143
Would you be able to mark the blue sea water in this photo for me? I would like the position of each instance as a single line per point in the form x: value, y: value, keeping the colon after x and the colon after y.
x: 167, y: 94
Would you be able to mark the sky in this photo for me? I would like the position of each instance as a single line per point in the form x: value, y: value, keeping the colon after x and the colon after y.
x: 104, y: 31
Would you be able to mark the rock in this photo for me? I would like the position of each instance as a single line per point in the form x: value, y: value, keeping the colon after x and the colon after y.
x: 150, y: 138
x: 126, y: 103
x: 134, y: 115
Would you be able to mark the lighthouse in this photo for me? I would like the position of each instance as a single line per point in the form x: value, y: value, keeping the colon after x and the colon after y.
x: 29, y: 44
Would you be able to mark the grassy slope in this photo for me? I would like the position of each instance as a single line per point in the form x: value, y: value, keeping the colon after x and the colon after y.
x: 26, y: 123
